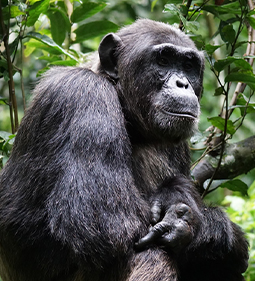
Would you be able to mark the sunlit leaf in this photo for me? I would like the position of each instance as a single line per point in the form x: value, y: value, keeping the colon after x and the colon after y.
x: 153, y: 4
x: 49, y: 42
x: 11, y: 12
x: 94, y: 29
x: 35, y: 10
x: 236, y: 185
x: 59, y: 25
x: 34, y: 1
x: 3, y: 101
x: 219, y: 123
x: 86, y: 10
x: 64, y: 62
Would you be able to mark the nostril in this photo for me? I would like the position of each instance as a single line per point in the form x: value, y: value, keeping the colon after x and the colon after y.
x: 182, y: 84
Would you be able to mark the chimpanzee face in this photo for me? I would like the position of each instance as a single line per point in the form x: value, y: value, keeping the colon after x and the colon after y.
x: 175, y: 105
x: 159, y: 82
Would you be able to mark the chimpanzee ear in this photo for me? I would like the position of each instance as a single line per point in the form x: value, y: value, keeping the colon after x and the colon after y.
x: 107, y: 55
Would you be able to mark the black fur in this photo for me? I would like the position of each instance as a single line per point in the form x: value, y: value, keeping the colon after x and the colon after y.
x: 94, y: 152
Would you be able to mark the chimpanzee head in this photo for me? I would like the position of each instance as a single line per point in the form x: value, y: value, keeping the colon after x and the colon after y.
x: 158, y: 73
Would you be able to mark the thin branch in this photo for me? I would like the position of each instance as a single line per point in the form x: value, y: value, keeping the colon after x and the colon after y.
x: 185, y: 16
x: 12, y: 96
x: 221, y: 152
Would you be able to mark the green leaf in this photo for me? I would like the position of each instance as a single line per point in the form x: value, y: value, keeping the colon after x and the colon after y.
x: 33, y: 45
x: 221, y: 64
x: 236, y: 185
x: 38, y: 7
x: 210, y: 49
x: 49, y: 59
x: 184, y: 9
x: 49, y: 42
x: 86, y: 10
x: 247, y: 78
x: 59, y: 25
x: 175, y: 2
x: 153, y: 4
x: 3, y: 63
x: 34, y: 1
x: 192, y: 26
x: 12, y: 13
x: 251, y: 21
x: 244, y: 105
x: 94, y: 29
x: 6, y: 140
x: 6, y: 136
x: 3, y: 101
x: 172, y: 8
x: 239, y: 62
x: 6, y: 76
x: 64, y: 62
x: 223, y: 11
x: 227, y: 32
x: 218, y: 91
x: 243, y: 64
x: 42, y: 71
x: 244, y: 108
x: 219, y: 123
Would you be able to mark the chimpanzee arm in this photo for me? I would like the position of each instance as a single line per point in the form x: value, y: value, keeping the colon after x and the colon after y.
x: 219, y: 247
x: 69, y: 172
x: 199, y: 235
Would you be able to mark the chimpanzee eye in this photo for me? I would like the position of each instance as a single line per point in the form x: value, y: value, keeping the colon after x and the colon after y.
x: 162, y: 61
x: 188, y: 66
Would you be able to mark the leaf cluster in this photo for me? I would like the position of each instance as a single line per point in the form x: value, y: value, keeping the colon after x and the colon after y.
x: 230, y: 63
x: 242, y: 212
x: 54, y: 27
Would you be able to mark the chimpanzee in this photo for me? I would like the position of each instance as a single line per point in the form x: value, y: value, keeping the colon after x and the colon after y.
x: 98, y: 184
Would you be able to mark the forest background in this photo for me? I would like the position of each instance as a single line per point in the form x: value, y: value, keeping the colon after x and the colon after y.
x: 35, y: 35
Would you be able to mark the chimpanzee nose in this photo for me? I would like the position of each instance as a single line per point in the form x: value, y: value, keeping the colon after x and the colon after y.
x: 182, y: 83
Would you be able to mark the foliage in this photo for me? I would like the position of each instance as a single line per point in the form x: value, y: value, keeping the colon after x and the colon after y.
x: 233, y: 72
x: 242, y: 212
x: 6, y: 142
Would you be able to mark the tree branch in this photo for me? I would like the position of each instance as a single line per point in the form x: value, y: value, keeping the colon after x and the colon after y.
x: 12, y: 96
x: 238, y: 158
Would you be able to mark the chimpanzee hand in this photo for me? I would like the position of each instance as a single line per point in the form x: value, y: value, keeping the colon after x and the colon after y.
x: 174, y: 231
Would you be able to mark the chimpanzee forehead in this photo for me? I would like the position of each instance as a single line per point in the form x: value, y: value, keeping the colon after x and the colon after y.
x: 173, y: 48
x: 147, y: 33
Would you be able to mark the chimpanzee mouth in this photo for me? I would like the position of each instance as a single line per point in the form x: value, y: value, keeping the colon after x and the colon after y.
x: 180, y: 114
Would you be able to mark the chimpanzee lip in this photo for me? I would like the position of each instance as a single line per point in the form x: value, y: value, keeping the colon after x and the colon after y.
x: 180, y: 114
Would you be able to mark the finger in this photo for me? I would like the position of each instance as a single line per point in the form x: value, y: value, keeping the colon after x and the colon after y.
x: 146, y: 241
x: 156, y: 210
x: 179, y: 237
x: 155, y: 232
x: 184, y: 211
